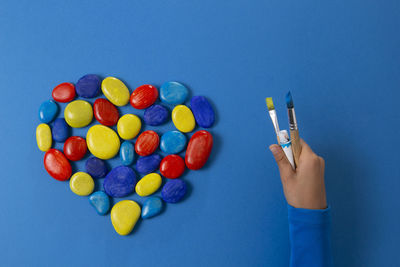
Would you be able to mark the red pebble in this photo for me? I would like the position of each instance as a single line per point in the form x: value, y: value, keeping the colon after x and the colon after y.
x: 75, y: 148
x: 64, y: 92
x: 172, y: 166
x: 198, y: 149
x: 144, y: 96
x: 147, y: 143
x: 105, y: 112
x: 57, y: 165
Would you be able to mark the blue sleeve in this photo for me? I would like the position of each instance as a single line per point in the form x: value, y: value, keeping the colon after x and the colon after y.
x: 310, y: 237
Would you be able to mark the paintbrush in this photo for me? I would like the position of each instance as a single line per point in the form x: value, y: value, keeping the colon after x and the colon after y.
x: 272, y: 114
x: 294, y: 130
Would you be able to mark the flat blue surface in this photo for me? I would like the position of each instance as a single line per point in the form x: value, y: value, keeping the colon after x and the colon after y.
x: 340, y: 59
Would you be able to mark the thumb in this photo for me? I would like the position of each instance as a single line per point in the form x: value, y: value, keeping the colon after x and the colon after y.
x: 285, y: 168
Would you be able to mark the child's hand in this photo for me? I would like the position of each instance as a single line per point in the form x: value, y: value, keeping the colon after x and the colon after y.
x: 304, y: 187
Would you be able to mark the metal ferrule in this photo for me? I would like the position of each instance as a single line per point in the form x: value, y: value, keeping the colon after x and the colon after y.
x: 274, y: 118
x: 292, y: 119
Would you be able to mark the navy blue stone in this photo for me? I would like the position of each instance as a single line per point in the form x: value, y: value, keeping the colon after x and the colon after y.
x: 202, y: 111
x: 155, y: 115
x: 88, y: 86
x: 152, y: 206
x: 148, y: 164
x: 60, y: 130
x: 173, y: 191
x: 120, y: 182
x: 97, y: 168
x: 48, y: 111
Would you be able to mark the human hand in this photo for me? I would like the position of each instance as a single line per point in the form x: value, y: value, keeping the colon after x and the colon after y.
x: 303, y: 187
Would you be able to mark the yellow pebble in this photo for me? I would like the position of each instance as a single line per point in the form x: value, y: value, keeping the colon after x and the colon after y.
x: 102, y: 141
x: 148, y: 184
x: 124, y: 216
x: 115, y: 91
x: 43, y: 137
x: 78, y: 113
x: 128, y: 126
x: 183, y: 118
x: 81, y: 184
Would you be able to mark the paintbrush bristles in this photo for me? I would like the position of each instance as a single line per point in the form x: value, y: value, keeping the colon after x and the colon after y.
x: 289, y: 100
x: 270, y: 103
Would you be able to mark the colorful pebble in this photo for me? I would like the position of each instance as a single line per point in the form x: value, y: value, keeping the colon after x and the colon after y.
x: 60, y: 130
x: 144, y: 96
x: 78, y: 113
x: 147, y: 143
x: 88, y: 86
x: 124, y: 216
x: 172, y: 166
x: 183, y: 118
x: 75, y: 148
x: 198, y: 149
x: 115, y: 91
x: 172, y: 142
x: 127, y: 153
x: 81, y: 184
x: 155, y: 115
x: 120, y: 182
x: 57, y: 165
x: 173, y: 93
x: 43, y: 137
x: 148, y: 184
x: 102, y: 142
x: 148, y: 164
x: 97, y: 168
x: 100, y: 202
x: 64, y: 92
x: 47, y: 111
x: 152, y: 206
x: 129, y: 126
x: 202, y: 111
x: 173, y: 191
x: 105, y: 112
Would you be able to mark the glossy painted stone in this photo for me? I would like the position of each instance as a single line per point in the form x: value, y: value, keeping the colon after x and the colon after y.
x: 173, y: 191
x: 120, y: 182
x: 202, y: 111
x: 96, y: 167
x: 124, y: 216
x: 75, y: 148
x: 144, y: 96
x: 102, y: 142
x: 172, y: 166
x: 105, y: 112
x: 64, y: 92
x: 48, y: 111
x: 173, y: 93
x: 172, y: 142
x: 78, y: 113
x: 148, y: 164
x: 198, y: 149
x: 43, y: 137
x: 57, y: 165
x: 115, y: 91
x: 183, y: 118
x: 81, y: 184
x: 60, y: 130
x: 88, y: 86
x: 148, y: 184
x: 127, y: 153
x: 129, y: 126
x: 152, y: 206
x: 155, y: 115
x: 147, y: 143
x: 100, y: 202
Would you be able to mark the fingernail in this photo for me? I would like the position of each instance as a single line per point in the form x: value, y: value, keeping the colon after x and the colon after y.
x: 274, y: 150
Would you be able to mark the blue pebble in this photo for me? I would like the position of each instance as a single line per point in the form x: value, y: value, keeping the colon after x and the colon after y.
x: 155, y: 115
x: 120, y: 182
x: 97, y: 168
x: 173, y: 93
x: 151, y: 207
x: 173, y: 190
x: 202, y: 111
x: 127, y: 153
x: 148, y: 164
x: 88, y: 86
x: 48, y: 111
x: 60, y: 130
x: 172, y: 142
x: 100, y: 201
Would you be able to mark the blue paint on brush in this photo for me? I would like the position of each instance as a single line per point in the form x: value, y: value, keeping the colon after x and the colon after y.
x: 289, y: 100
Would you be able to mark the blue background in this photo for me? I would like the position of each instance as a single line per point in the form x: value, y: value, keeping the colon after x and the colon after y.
x: 340, y: 59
